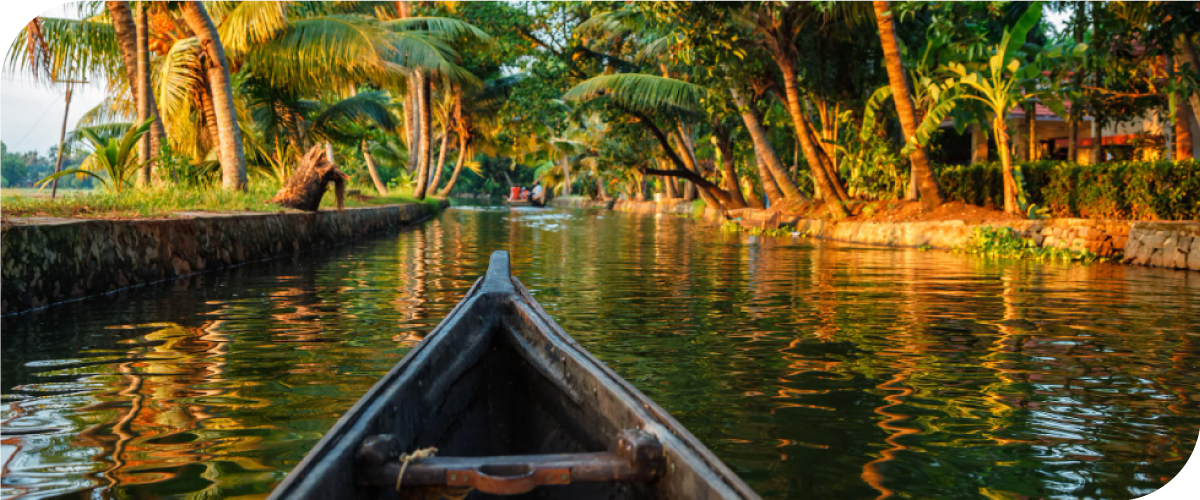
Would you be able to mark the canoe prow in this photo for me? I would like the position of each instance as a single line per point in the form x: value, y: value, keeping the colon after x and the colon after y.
x: 514, y: 406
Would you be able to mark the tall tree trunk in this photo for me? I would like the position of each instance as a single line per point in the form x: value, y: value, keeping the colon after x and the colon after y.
x: 379, y: 185
x: 1097, y: 151
x: 1031, y: 124
x: 1183, y: 111
x: 689, y: 189
x: 424, y: 144
x: 462, y: 157
x: 764, y: 149
x: 125, y: 29
x: 728, y: 166
x: 210, y: 114
x: 1075, y: 114
x: 979, y: 144
x: 754, y: 200
x: 828, y: 166
x: 441, y: 163
x: 412, y: 122
x: 681, y: 170
x: 669, y: 185
x: 1010, y: 183
x: 800, y: 123
x: 1183, y: 131
x: 931, y: 193
x: 233, y: 161
x: 144, y: 93
x: 1187, y: 53
x: 768, y: 182
x: 62, y: 142
x: 566, y: 166
x: 601, y: 191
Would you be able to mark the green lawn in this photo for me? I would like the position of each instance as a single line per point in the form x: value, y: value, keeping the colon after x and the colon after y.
x: 165, y: 201
x: 29, y: 192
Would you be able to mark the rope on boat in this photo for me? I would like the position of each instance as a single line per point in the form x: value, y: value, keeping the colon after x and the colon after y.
x: 405, y: 458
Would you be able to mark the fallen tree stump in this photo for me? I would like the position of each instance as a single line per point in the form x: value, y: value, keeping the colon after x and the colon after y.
x: 307, y: 184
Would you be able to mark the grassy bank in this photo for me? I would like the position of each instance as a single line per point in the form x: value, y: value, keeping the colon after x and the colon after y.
x: 165, y: 201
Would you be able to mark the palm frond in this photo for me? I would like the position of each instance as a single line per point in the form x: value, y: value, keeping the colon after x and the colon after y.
x: 365, y: 108
x: 640, y: 92
x: 113, y: 108
x: 250, y: 24
x: 441, y: 27
x: 53, y: 48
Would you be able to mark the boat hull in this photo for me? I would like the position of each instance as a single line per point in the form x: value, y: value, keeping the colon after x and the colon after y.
x: 498, y: 377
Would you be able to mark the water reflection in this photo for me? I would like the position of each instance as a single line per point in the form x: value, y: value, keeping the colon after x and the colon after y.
x: 814, y: 370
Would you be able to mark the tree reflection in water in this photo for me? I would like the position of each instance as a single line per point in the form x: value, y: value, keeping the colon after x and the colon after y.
x: 815, y: 369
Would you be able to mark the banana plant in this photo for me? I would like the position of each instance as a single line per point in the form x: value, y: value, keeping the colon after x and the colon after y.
x: 1011, y: 77
x: 116, y: 158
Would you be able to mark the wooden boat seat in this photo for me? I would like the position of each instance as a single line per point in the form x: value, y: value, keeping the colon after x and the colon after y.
x: 638, y: 457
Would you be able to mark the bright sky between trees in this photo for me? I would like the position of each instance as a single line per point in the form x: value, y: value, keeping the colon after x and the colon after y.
x: 33, y: 110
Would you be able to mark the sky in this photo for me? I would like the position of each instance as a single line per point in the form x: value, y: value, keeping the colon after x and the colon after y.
x: 31, y: 113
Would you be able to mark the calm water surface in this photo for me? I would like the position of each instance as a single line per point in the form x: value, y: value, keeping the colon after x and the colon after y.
x: 813, y: 370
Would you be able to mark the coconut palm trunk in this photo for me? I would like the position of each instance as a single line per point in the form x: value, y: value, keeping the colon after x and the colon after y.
x: 423, y: 143
x: 691, y: 190
x: 62, y: 143
x: 144, y: 92
x: 233, y: 160
x: 1075, y: 113
x: 728, y: 166
x: 1183, y: 111
x: 379, y: 186
x: 800, y: 124
x: 441, y: 163
x: 463, y: 153
x: 1187, y: 52
x: 566, y: 166
x: 763, y: 148
x: 927, y: 185
x: 125, y: 29
x: 770, y: 188
x: 210, y: 114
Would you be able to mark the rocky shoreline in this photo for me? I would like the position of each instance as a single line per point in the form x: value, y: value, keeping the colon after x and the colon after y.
x: 49, y: 260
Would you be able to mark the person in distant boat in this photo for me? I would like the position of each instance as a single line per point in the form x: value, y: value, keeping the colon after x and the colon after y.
x: 538, y: 193
x: 524, y: 193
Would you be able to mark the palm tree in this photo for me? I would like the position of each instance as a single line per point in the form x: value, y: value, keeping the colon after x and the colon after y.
x: 233, y: 160
x: 133, y: 52
x: 643, y: 96
x: 922, y: 173
x: 777, y: 27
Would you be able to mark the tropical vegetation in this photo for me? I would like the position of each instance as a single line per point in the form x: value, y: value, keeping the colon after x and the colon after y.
x: 789, y: 105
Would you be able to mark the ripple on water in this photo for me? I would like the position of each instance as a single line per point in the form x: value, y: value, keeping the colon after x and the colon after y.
x: 814, y: 369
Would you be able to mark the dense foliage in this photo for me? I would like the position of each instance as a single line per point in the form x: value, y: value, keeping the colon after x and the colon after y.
x: 735, y: 104
x: 1115, y: 190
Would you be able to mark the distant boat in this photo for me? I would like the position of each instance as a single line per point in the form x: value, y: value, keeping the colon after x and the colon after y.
x: 524, y: 203
x: 513, y: 405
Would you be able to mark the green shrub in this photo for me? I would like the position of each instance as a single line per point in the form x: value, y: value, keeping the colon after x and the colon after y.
x: 1116, y: 190
x: 1003, y: 243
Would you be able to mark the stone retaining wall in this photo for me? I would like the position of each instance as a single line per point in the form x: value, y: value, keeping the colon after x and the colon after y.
x: 1157, y: 244
x: 47, y: 260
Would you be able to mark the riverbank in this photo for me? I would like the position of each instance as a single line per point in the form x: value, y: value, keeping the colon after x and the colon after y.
x: 1164, y: 244
x: 49, y: 259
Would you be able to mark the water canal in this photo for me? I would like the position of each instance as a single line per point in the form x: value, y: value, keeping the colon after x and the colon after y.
x: 814, y: 370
